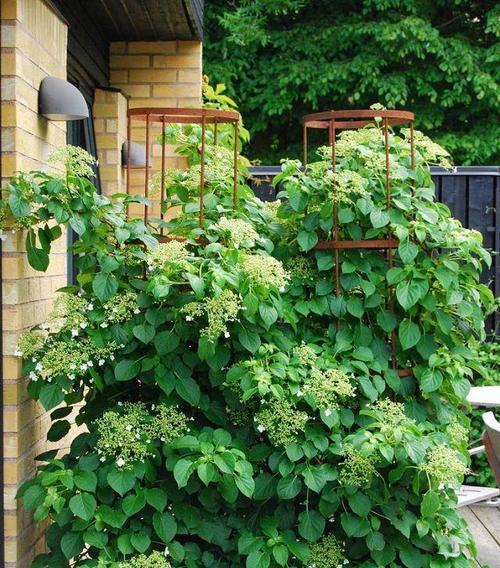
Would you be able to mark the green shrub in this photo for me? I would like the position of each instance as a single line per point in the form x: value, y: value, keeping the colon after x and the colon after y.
x: 228, y: 420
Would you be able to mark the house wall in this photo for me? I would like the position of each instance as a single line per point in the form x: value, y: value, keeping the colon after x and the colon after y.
x: 148, y: 74
x: 33, y: 46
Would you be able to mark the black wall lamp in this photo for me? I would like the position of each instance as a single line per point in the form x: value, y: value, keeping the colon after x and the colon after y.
x: 60, y: 100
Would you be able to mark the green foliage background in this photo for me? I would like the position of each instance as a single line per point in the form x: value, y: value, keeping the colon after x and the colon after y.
x: 282, y: 59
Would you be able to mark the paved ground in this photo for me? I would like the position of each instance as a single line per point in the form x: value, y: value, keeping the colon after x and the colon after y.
x: 484, y: 523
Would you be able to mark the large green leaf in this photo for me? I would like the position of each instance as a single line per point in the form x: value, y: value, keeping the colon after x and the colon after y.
x: 311, y: 525
x: 104, y: 286
x: 121, y: 480
x: 83, y: 505
x: 165, y: 526
x: 409, y: 334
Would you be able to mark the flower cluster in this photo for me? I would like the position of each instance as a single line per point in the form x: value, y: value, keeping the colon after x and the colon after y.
x: 443, y: 465
x: 72, y: 359
x: 458, y: 434
x: 126, y: 435
x: 346, y: 184
x: 30, y: 343
x: 329, y: 387
x: 281, y: 421
x: 154, y: 560
x: 239, y: 232
x: 171, y: 257
x: 392, y: 414
x: 265, y: 271
x: 121, y: 307
x: 357, y: 470
x: 328, y: 552
x: 219, y: 310
x: 302, y: 267
x: 76, y: 160
x: 431, y: 152
x: 69, y: 313
x: 305, y: 354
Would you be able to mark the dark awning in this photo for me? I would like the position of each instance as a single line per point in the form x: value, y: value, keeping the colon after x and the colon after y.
x: 137, y: 20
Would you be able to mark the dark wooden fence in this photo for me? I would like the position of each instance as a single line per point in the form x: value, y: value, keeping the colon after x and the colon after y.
x: 471, y: 193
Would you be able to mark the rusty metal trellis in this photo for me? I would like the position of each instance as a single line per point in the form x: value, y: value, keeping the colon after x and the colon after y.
x: 165, y: 116
x: 334, y: 121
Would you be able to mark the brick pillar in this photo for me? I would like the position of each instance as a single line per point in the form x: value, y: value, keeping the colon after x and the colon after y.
x: 33, y: 46
x: 149, y: 74
x: 110, y: 123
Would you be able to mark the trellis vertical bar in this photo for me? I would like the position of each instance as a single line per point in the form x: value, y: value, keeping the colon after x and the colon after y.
x: 332, y: 135
x: 305, y: 145
x: 202, y: 171
x: 235, y: 166
x: 129, y: 143
x: 146, y: 172
x: 162, y: 193
x: 389, y: 235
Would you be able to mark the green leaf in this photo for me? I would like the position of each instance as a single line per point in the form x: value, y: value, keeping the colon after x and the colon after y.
x: 386, y: 320
x: 166, y: 342
x: 311, y: 525
x: 121, y: 480
x: 430, y: 504
x: 165, y: 526
x: 111, y: 517
x: 408, y: 293
x: 51, y: 394
x: 280, y: 554
x: 77, y: 224
x: 182, y: 471
x: 95, y: 538
x: 354, y: 525
x: 19, y: 206
x: 72, y: 544
x: 124, y: 544
x: 249, y: 340
x: 245, y: 484
x: 140, y: 541
x: 86, y: 480
x: 83, y: 505
x: 355, y: 307
x: 360, y: 504
x: 407, y: 251
x: 144, y: 332
x: 156, y: 497
x: 127, y: 369
x: 132, y: 504
x: 379, y: 218
x: 431, y: 380
x: 375, y: 540
x: 268, y: 314
x: 409, y: 334
x: 289, y: 487
x: 315, y: 478
x: 188, y: 389
x: 307, y: 240
x: 104, y: 286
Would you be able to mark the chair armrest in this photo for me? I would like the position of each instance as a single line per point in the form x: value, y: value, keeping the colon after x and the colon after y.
x: 475, y: 451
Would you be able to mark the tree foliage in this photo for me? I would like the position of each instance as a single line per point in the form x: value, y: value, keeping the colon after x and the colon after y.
x: 286, y: 58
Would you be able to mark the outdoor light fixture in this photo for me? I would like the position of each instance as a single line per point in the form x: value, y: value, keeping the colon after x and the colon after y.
x: 137, y: 155
x: 60, y: 100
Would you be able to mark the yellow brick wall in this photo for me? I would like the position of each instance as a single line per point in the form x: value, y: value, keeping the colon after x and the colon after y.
x: 34, y: 42
x: 149, y: 74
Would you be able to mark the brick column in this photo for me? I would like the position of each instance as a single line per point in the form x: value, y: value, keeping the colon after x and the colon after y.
x: 149, y: 74
x: 34, y: 43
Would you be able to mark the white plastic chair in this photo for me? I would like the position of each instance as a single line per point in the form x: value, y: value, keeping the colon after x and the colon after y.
x: 485, y: 496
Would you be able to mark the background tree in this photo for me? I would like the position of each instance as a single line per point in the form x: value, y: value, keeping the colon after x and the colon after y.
x: 284, y: 58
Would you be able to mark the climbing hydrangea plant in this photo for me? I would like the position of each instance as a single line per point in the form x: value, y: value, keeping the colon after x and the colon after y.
x: 237, y: 411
